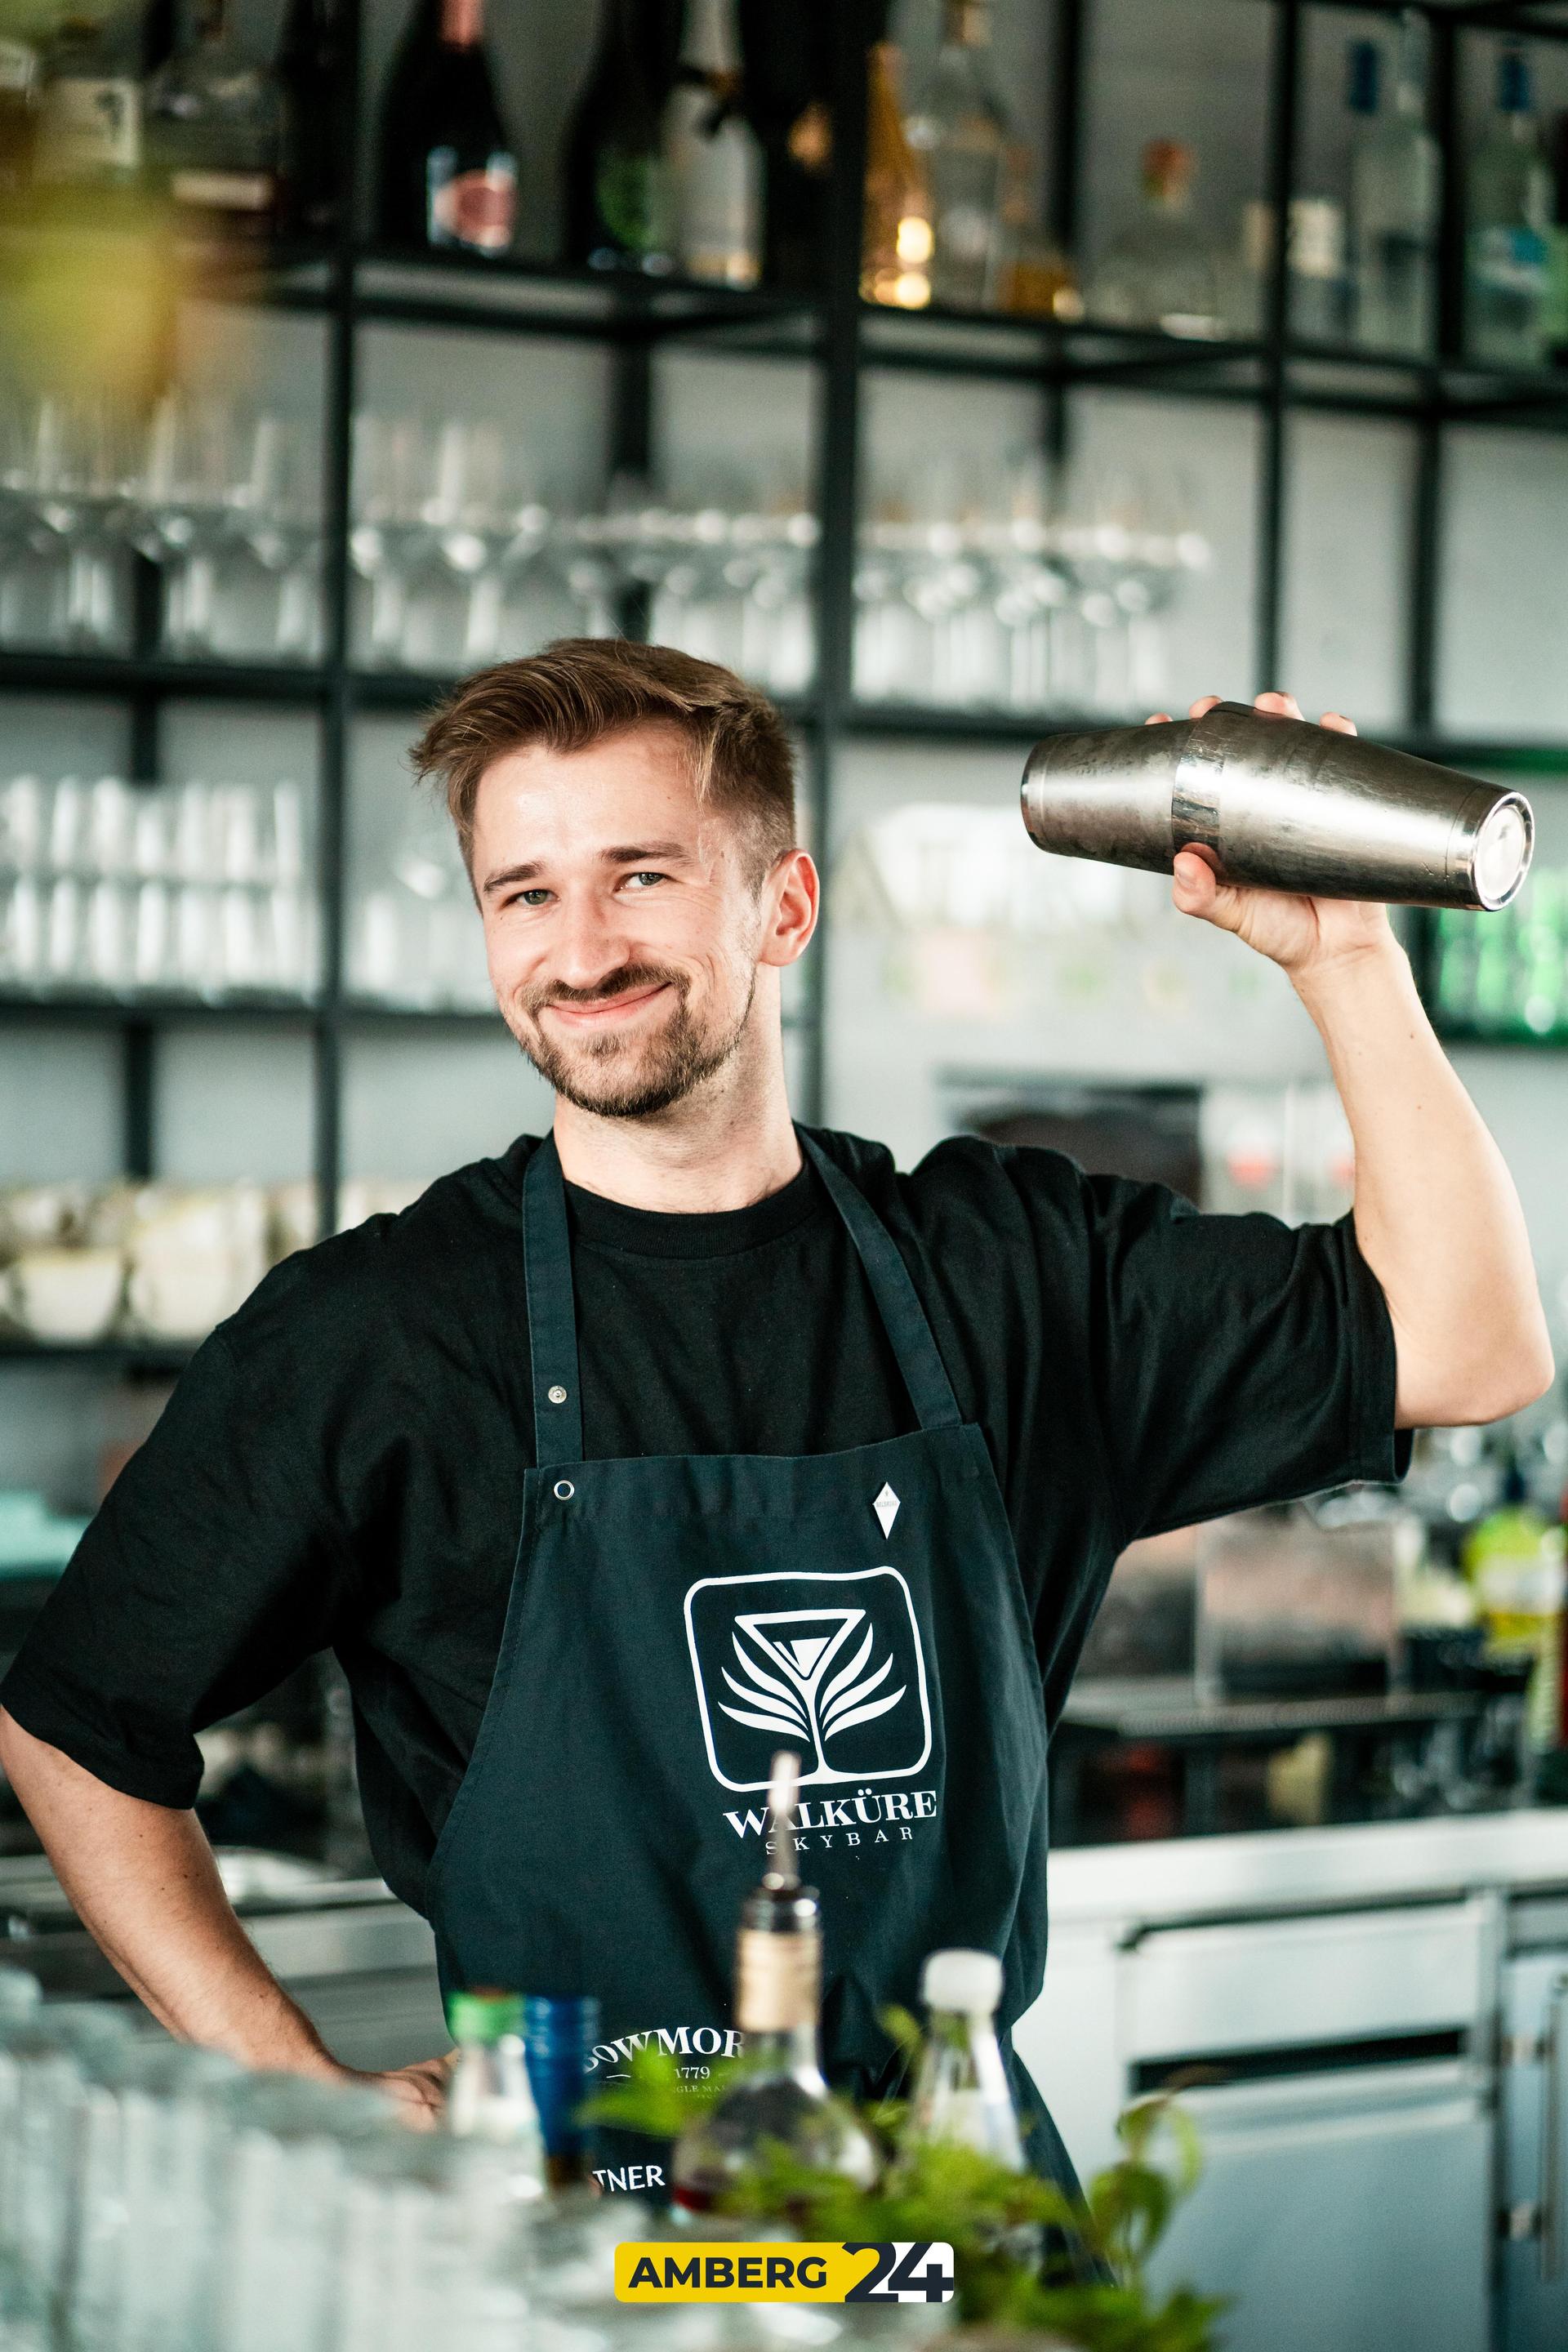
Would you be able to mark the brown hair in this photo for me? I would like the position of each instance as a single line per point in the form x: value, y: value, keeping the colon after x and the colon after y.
x: 581, y: 690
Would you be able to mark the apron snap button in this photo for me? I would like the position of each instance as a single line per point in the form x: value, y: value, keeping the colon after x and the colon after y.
x: 557, y: 1396
x: 564, y: 1490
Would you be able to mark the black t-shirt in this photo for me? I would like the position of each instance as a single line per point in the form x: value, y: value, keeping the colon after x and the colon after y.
x: 342, y: 1464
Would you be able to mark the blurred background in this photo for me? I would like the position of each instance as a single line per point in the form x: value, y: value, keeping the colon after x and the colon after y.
x: 958, y: 372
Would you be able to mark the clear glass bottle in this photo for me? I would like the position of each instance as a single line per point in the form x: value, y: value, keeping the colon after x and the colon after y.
x: 213, y: 127
x: 90, y: 116
x: 18, y: 114
x: 1509, y: 213
x: 489, y: 2097
x: 1396, y: 195
x: 959, y: 130
x: 896, y: 252
x: 1163, y: 271
x: 780, y: 2095
x: 715, y: 158
x: 961, y: 2093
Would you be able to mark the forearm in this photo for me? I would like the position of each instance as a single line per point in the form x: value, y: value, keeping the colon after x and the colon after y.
x: 1436, y: 1215
x: 143, y: 1881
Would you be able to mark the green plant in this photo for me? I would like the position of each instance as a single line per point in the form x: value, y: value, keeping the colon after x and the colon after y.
x: 1027, y: 2255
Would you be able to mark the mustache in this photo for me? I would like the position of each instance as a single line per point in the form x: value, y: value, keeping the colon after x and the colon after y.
x: 616, y: 984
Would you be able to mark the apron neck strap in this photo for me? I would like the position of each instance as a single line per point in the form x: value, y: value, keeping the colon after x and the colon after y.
x: 903, y: 1318
x: 552, y: 1317
x: 553, y: 1320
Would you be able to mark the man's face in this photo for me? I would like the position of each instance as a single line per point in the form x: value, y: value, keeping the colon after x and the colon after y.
x: 622, y: 924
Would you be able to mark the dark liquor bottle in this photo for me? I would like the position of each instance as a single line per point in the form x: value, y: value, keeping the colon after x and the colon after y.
x: 449, y: 168
x: 780, y: 2095
x: 308, y: 69
x: 787, y: 76
x: 619, y: 209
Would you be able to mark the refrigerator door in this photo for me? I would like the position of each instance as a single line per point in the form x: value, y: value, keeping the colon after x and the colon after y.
x: 1534, y: 2185
x: 1347, y: 2211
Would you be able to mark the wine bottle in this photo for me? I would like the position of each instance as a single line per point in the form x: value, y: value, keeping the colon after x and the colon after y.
x: 786, y: 78
x: 617, y: 194
x: 448, y: 167
x: 781, y: 2096
x: 308, y: 69
x: 714, y: 158
x: 490, y: 2097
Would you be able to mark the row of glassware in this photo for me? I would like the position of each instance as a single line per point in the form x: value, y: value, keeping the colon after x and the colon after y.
x: 199, y: 890
x: 208, y: 891
x: 1003, y: 587
x: 157, y: 2195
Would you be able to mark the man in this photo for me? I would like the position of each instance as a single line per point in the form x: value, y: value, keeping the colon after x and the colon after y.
x: 681, y: 1436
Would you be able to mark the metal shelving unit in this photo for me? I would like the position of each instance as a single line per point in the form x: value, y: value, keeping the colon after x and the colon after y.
x: 351, y: 286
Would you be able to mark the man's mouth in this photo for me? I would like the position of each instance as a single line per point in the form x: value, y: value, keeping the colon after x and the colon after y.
x: 604, y: 1011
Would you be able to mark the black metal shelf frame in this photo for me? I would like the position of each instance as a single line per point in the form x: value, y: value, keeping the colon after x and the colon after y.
x: 353, y: 285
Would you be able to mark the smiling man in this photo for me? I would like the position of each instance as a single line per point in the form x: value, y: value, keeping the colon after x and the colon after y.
x: 683, y: 1433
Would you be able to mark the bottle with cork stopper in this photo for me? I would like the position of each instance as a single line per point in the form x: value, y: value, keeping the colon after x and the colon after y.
x: 781, y: 2096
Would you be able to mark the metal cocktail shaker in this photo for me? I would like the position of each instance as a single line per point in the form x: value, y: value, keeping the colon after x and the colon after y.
x: 1280, y: 805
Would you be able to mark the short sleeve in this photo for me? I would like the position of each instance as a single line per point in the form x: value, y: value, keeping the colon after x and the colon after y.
x: 1237, y: 1360
x: 213, y: 1569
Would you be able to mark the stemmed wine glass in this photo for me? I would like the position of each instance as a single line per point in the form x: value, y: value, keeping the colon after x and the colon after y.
x: 278, y: 515
x: 187, y: 496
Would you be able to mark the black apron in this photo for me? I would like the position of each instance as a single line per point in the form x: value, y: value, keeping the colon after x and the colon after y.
x: 672, y: 1621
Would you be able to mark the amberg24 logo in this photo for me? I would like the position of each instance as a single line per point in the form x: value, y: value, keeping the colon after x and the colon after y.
x: 830, y: 1665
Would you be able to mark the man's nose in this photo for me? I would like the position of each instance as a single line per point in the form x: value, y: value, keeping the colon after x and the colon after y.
x: 590, y: 942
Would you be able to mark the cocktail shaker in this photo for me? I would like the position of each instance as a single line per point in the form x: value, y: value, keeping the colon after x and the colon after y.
x: 1279, y: 805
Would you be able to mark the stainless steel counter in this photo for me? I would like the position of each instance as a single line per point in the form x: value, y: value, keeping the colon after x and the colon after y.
x: 1276, y: 1871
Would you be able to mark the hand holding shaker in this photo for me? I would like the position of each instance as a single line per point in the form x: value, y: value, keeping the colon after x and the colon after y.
x: 1279, y: 805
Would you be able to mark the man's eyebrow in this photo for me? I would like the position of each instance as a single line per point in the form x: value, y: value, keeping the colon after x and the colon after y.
x: 639, y: 853
x: 643, y: 853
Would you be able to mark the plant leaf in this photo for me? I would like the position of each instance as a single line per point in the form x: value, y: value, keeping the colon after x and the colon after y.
x: 864, y: 1714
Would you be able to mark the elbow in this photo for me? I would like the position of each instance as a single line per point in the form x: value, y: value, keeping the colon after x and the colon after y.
x: 1466, y: 1387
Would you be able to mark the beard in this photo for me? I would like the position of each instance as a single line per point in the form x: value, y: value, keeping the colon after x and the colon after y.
x: 611, y: 1076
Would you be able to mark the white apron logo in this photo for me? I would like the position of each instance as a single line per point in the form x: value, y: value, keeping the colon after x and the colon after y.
x: 828, y: 1664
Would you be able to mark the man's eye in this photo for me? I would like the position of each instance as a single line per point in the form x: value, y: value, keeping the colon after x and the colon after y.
x: 528, y: 898
x: 646, y: 878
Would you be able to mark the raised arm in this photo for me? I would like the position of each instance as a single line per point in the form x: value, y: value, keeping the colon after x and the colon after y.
x: 1436, y: 1215
x: 142, y: 1879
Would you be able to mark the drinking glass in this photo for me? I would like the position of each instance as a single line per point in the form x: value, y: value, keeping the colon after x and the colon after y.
x: 188, y: 495
x: 282, y: 2202
x: 279, y: 520
x: 389, y: 470
x: 75, y: 464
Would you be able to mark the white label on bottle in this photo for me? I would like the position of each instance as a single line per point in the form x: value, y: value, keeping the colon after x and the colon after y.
x: 18, y: 65
x: 92, y: 126
x: 223, y: 192
x: 476, y: 209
